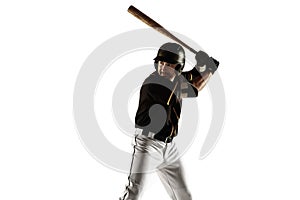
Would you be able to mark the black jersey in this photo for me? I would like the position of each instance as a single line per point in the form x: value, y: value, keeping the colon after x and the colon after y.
x: 160, y: 103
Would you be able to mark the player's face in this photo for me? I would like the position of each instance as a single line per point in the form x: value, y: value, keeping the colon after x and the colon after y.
x: 166, y: 70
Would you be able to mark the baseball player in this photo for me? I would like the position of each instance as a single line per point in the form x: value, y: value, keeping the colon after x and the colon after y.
x: 157, y: 118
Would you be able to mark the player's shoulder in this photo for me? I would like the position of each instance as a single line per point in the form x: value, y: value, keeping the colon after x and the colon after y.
x: 152, y: 78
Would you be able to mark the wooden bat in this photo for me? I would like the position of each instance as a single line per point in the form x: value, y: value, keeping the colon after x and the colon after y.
x: 150, y: 22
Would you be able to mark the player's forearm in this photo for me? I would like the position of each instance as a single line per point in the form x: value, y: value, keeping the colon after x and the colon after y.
x: 200, y: 81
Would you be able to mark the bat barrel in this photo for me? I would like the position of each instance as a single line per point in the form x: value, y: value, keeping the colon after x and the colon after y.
x: 143, y: 17
x: 150, y: 22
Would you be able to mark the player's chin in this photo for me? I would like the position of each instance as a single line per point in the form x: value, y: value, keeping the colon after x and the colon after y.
x: 164, y: 74
x: 166, y: 77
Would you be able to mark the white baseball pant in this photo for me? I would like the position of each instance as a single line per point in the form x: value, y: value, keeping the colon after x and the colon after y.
x: 153, y: 155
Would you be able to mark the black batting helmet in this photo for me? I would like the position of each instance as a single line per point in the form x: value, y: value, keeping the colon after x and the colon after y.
x: 172, y: 53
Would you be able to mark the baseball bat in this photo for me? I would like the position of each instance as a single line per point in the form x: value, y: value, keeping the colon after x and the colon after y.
x: 150, y: 22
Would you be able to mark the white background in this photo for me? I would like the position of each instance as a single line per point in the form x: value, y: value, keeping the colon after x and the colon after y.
x: 43, y: 45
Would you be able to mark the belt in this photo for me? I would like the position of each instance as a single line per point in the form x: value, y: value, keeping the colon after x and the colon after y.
x: 150, y: 134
